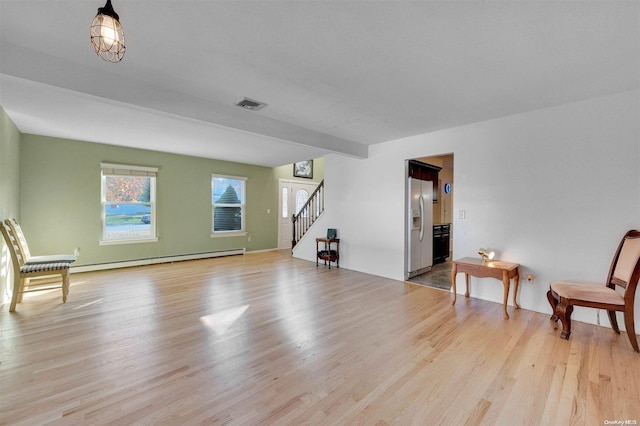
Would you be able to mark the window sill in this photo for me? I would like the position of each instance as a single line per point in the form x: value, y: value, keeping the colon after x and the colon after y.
x: 229, y: 234
x: 116, y: 242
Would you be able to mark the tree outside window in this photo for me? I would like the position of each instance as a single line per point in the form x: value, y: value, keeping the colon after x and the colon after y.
x: 228, y: 205
x: 128, y: 204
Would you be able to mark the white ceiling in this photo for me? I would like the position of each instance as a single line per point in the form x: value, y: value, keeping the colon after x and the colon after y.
x: 337, y: 76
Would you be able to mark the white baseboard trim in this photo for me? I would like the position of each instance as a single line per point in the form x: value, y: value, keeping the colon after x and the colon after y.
x: 156, y: 260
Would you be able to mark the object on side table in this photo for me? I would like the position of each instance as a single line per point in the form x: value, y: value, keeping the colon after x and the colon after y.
x: 332, y: 233
x: 486, y: 254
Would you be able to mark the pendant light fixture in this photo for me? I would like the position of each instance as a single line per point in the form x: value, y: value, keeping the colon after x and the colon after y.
x: 107, y: 36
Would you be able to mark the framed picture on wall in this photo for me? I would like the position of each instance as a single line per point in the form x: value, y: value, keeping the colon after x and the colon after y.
x: 303, y: 169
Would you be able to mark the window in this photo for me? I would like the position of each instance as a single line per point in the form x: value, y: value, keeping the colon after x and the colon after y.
x: 285, y: 202
x: 301, y: 198
x: 228, y: 205
x: 128, y: 204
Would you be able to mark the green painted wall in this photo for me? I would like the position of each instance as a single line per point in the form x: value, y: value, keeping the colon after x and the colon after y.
x: 9, y: 166
x: 60, y: 201
x: 9, y: 191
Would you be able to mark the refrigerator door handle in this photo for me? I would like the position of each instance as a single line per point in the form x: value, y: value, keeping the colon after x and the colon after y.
x: 421, y: 217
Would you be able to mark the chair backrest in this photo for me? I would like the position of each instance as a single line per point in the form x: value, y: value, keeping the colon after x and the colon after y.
x: 15, y: 228
x: 625, y: 267
x: 17, y: 256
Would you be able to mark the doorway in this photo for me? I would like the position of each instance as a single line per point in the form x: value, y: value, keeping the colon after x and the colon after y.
x: 440, y: 274
x: 292, y: 194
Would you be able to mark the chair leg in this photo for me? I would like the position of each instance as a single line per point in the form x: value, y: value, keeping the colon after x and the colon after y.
x: 614, y: 321
x: 24, y: 283
x: 15, y: 295
x: 630, y: 326
x: 65, y: 285
x: 564, y: 313
x: 554, y: 303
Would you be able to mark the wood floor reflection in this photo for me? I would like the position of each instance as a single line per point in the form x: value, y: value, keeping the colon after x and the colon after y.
x: 268, y: 339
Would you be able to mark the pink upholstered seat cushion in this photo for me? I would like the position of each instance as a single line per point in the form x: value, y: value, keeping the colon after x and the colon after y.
x: 587, y: 292
x: 629, y: 256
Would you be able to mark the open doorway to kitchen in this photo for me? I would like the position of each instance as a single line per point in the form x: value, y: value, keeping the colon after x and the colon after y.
x: 439, y: 275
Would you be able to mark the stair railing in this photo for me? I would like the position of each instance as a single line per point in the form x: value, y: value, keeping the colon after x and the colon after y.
x: 308, y: 214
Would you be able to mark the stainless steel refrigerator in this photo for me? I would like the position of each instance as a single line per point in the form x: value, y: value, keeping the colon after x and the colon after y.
x: 419, y: 226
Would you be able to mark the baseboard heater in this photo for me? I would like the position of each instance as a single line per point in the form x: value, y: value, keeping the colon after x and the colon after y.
x: 155, y: 260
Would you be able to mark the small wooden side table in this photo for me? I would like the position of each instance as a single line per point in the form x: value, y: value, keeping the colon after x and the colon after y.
x: 504, y: 271
x: 328, y: 255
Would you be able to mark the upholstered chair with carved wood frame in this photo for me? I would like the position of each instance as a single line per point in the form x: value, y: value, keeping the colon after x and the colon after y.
x: 623, y: 274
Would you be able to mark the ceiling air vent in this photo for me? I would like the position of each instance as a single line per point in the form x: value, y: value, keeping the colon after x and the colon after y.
x: 250, y: 104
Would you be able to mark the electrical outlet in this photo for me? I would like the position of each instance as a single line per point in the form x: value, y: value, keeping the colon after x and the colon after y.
x: 76, y: 251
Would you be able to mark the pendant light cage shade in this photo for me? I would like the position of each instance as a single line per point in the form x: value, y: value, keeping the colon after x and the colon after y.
x: 107, y: 35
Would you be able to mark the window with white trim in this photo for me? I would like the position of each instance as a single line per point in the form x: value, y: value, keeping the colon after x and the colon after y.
x: 228, y: 209
x: 128, y: 204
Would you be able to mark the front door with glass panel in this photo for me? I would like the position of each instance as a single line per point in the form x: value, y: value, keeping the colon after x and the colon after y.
x: 293, y: 195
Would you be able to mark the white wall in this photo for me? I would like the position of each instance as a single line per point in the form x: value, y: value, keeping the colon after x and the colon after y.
x: 553, y: 190
x: 9, y: 188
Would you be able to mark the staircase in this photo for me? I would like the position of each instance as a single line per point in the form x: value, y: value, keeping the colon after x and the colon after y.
x: 308, y: 214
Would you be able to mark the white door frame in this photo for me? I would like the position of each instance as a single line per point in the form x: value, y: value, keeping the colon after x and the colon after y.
x: 284, y: 223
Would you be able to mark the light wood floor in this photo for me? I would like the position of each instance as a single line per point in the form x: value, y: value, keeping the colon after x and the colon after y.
x: 267, y: 339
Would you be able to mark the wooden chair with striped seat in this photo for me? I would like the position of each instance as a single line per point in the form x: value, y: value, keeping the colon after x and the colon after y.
x: 23, y: 271
x: 624, y: 273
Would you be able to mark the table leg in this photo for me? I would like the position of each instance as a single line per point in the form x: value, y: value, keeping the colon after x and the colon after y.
x: 454, y: 270
x: 328, y: 250
x: 516, y: 281
x: 466, y: 280
x: 505, y: 281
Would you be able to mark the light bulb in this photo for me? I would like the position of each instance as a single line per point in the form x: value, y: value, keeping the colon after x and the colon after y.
x: 108, y: 32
